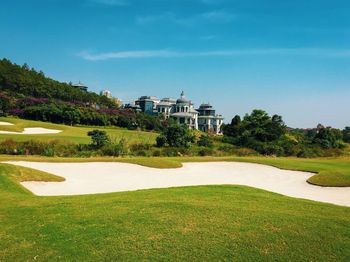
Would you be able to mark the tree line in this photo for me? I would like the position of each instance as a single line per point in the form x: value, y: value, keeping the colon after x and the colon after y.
x: 269, y: 135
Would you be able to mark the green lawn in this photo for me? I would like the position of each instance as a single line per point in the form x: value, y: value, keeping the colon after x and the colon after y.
x: 233, y: 223
x: 73, y: 134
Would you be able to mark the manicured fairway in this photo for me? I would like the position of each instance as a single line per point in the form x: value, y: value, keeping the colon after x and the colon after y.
x: 196, y: 223
x: 72, y: 134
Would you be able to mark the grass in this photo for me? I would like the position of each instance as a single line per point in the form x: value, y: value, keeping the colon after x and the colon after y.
x: 232, y: 223
x: 333, y: 172
x: 76, y: 134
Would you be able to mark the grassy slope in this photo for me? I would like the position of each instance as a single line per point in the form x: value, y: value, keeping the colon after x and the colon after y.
x: 72, y: 134
x: 193, y: 223
x: 329, y: 171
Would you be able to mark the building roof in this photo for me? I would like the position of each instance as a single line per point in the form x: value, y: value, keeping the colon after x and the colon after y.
x: 206, y: 106
x: 79, y: 84
x: 148, y: 98
x: 182, y: 99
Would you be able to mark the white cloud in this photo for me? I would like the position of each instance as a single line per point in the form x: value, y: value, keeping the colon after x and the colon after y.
x: 127, y: 54
x: 317, y: 52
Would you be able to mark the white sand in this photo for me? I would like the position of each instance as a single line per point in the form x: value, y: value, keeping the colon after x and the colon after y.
x: 5, y: 124
x: 33, y: 131
x: 91, y: 178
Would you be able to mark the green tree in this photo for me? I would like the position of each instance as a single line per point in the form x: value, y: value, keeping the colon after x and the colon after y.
x: 346, y: 134
x: 176, y: 135
x: 258, y: 131
x: 328, y: 138
x: 99, y: 138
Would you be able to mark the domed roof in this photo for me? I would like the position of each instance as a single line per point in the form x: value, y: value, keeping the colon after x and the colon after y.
x: 182, y: 99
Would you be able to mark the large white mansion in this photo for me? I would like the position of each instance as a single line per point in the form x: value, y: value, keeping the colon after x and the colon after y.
x: 182, y: 110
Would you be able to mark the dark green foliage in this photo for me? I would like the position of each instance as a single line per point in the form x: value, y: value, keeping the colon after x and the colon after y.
x: 161, y: 140
x: 99, y: 138
x: 269, y: 136
x: 205, y: 141
x: 258, y: 131
x: 176, y: 135
x: 328, y: 138
x: 346, y: 134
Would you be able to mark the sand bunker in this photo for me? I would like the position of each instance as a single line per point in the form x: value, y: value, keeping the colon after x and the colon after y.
x: 33, y: 131
x: 5, y: 124
x: 91, y: 178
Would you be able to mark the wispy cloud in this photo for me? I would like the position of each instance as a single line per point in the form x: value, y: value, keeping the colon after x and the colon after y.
x: 215, y: 16
x: 109, y: 2
x: 317, y: 52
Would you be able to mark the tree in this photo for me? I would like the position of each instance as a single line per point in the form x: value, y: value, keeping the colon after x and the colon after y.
x: 234, y: 129
x: 99, y: 138
x: 327, y: 138
x: 176, y: 135
x: 346, y: 134
x: 258, y: 131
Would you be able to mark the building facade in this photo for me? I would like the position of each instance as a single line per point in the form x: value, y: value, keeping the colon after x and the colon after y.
x: 166, y: 107
x: 182, y: 110
x: 106, y: 93
x: 208, y: 120
x: 147, y: 104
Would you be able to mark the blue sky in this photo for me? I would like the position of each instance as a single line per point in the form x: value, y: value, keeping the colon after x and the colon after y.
x: 287, y: 57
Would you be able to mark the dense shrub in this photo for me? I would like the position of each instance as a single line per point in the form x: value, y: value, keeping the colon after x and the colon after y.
x: 206, y: 152
x: 35, y: 147
x: 115, y: 149
x: 176, y: 135
x: 205, y: 141
x: 99, y: 138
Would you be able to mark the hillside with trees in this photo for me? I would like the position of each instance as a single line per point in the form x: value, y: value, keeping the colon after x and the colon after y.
x: 29, y: 94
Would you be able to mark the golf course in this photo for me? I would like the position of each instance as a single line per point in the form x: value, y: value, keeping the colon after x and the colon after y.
x: 197, y: 130
x: 204, y: 222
